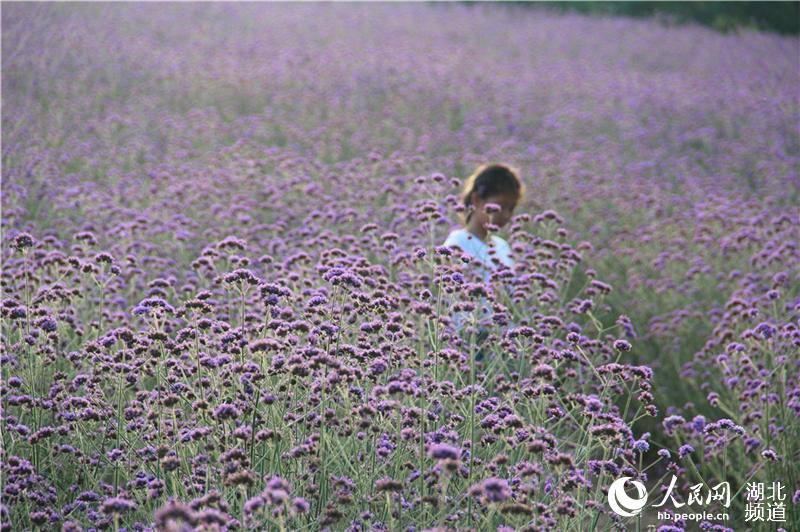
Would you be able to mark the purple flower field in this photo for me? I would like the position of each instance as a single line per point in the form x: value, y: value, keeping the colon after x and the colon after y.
x: 226, y: 305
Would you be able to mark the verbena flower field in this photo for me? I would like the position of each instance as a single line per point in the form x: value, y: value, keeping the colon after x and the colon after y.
x: 226, y: 305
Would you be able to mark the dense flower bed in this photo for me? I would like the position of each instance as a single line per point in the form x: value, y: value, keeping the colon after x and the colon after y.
x: 225, y: 303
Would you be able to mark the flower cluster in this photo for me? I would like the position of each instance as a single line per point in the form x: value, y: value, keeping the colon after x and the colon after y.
x: 225, y: 306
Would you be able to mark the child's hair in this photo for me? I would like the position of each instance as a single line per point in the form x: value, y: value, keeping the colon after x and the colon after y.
x: 488, y: 180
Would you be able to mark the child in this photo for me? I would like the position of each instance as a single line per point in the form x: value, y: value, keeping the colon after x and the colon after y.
x: 496, y: 184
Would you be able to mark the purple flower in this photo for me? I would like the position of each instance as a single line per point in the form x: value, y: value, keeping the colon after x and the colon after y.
x: 47, y: 324
x: 492, y: 208
x: 226, y: 411
x: 765, y: 330
x: 211, y: 516
x: 253, y: 504
x: 117, y: 505
x: 174, y: 511
x: 627, y: 325
x: 685, y: 449
x: 388, y: 484
x: 723, y: 423
x: 495, y: 489
x: 442, y: 451
x: 769, y: 454
x: 671, y: 422
x: 115, y: 454
x: 444, y: 251
x: 584, y: 306
x: 22, y: 241
x: 641, y: 445
x: 622, y: 345
x: 275, y: 496
x: 300, y: 505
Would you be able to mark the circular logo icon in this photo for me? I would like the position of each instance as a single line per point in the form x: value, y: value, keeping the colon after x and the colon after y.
x: 621, y: 502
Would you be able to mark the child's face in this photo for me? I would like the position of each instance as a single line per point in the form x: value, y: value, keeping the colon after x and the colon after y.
x: 507, y: 204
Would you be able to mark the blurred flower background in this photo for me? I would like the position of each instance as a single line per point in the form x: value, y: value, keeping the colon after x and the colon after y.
x: 225, y: 305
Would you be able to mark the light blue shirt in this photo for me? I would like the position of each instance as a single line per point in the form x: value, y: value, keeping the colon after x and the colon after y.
x: 479, y: 250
